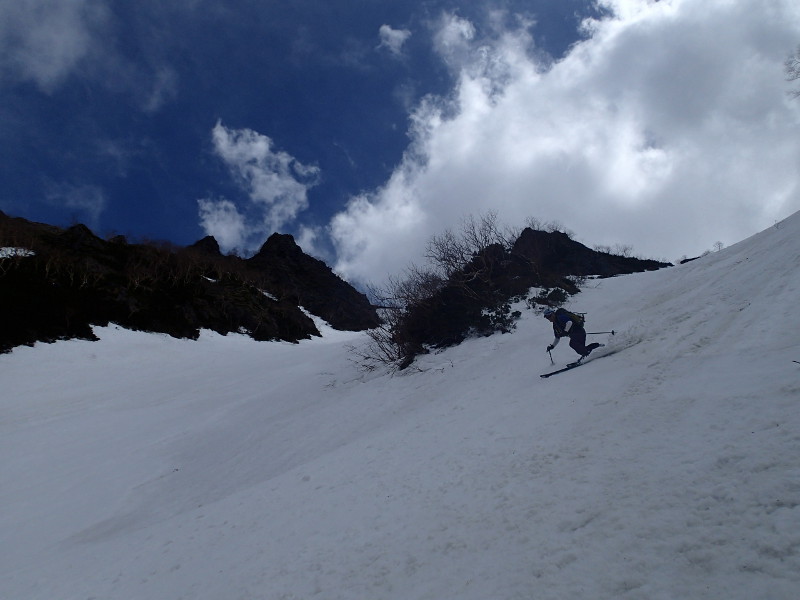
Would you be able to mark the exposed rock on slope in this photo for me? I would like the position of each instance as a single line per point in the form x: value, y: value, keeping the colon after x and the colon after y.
x: 74, y: 279
x: 555, y: 252
x: 290, y: 273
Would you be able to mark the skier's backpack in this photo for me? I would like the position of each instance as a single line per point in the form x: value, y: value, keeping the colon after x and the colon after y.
x: 577, y: 318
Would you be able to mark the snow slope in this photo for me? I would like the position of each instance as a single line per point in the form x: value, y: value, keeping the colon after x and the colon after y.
x: 142, y: 466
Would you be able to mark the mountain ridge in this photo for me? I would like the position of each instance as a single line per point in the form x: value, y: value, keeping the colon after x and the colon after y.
x: 70, y: 280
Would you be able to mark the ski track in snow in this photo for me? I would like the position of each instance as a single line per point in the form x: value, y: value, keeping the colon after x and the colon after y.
x: 142, y: 466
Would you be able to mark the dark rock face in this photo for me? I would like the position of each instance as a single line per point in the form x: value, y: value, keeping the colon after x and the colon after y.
x: 75, y: 279
x: 208, y: 245
x: 556, y: 253
x: 290, y: 273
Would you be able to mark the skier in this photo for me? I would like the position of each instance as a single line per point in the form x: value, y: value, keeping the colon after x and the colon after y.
x: 565, y: 324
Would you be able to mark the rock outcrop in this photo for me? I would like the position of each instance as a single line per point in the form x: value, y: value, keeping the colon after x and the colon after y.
x: 68, y: 280
x: 289, y: 273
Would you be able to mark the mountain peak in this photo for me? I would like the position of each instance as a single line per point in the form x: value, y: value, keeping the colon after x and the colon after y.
x: 290, y: 272
x: 207, y: 245
x: 280, y: 244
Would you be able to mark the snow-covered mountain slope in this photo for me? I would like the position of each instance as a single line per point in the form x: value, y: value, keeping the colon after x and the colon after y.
x: 142, y: 466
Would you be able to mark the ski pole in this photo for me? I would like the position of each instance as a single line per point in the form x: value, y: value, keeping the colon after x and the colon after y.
x: 552, y: 362
x: 612, y: 332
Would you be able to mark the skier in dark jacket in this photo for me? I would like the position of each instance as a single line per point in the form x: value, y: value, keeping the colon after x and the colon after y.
x: 565, y: 325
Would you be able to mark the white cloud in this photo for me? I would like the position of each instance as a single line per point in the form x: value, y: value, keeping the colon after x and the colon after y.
x: 393, y: 39
x: 453, y: 40
x: 46, y: 42
x: 88, y: 201
x: 311, y: 239
x: 276, y: 185
x: 43, y: 41
x: 164, y: 89
x: 223, y: 220
x: 668, y: 129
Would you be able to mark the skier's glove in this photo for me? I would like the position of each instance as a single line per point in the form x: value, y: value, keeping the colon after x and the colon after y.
x: 550, y: 347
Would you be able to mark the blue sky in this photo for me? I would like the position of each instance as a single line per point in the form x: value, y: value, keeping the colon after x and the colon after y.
x: 363, y: 127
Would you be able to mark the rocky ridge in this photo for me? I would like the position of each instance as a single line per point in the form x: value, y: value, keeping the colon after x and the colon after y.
x: 64, y: 281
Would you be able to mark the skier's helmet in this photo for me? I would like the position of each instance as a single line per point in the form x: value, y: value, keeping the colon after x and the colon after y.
x: 548, y: 312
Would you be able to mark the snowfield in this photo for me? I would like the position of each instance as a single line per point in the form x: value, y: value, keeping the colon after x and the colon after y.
x: 144, y: 467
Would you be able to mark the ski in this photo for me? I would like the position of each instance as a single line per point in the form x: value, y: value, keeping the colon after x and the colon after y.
x: 567, y: 368
x: 577, y: 363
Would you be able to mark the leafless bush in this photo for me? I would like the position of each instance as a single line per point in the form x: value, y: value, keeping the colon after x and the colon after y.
x: 451, y: 251
x: 792, y: 68
x: 464, y: 257
x: 557, y: 227
x: 462, y: 260
x: 390, y: 343
x: 534, y: 223
x: 550, y: 226
x: 414, y: 286
x: 625, y: 250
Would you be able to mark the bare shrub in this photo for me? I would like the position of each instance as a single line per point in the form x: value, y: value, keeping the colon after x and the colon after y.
x: 461, y: 261
x: 792, y: 69
x: 625, y: 250
x: 534, y: 223
x: 450, y: 251
x: 557, y: 227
